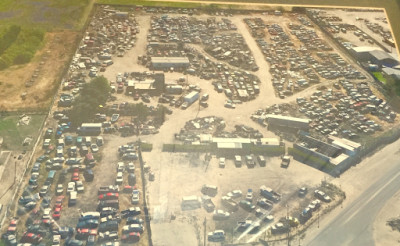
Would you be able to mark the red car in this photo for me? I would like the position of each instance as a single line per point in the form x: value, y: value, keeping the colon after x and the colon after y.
x: 131, y: 237
x: 59, y: 202
x: 75, y: 176
x: 48, y: 222
x: 109, y: 196
x: 31, y: 238
x: 57, y: 213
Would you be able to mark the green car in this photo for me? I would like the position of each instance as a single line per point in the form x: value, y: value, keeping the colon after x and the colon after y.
x: 246, y: 205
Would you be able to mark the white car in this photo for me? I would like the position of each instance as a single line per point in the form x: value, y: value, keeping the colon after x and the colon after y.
x: 222, y: 162
x: 120, y: 166
x: 135, y: 196
x: 71, y: 187
x: 220, y: 215
x: 321, y: 195
x: 249, y: 195
x: 119, y: 178
x: 230, y: 105
x: 43, y: 191
x: 56, y: 240
x: 131, y: 167
x: 59, y: 189
x: 46, y: 213
x: 235, y: 193
x: 79, y: 186
x: 94, y: 148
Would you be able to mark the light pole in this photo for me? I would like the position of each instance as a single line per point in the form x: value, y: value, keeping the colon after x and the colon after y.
x: 287, y: 224
x: 341, y: 204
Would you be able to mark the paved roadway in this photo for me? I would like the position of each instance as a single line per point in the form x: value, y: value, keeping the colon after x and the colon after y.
x: 354, y: 224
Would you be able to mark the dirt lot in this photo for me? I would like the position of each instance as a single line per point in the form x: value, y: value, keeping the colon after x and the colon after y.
x: 179, y: 175
x: 49, y: 62
x: 350, y: 17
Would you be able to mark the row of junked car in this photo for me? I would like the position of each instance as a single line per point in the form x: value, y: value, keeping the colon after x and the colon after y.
x: 249, y: 160
x: 269, y: 197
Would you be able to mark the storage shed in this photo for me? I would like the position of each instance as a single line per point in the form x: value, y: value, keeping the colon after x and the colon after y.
x: 287, y: 121
x: 89, y: 129
x: 169, y: 62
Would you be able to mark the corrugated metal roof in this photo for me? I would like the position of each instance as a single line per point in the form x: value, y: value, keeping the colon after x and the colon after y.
x: 362, y: 49
x: 339, y: 159
x: 169, y: 60
x: 229, y: 145
x: 231, y: 140
x: 91, y: 125
x: 282, y: 117
x: 382, y: 55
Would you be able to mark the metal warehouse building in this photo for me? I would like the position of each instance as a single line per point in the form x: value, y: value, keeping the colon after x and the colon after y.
x: 287, y: 121
x: 374, y: 55
x: 169, y: 62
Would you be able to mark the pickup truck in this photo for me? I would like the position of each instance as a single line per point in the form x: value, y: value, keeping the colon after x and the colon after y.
x: 244, y: 225
x: 250, y: 161
x: 208, y: 204
x: 270, y: 194
x: 107, y: 189
x: 285, y: 161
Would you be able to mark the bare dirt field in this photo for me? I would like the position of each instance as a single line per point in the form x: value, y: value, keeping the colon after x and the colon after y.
x: 48, y: 63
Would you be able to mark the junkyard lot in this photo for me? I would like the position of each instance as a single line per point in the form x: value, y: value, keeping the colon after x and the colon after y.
x: 105, y: 175
x: 174, y: 175
x: 178, y: 176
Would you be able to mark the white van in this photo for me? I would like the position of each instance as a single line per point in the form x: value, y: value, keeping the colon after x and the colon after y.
x: 90, y: 215
x: 72, y: 198
x: 238, y: 160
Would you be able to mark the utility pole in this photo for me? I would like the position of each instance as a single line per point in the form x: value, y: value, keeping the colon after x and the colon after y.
x: 341, y: 204
x: 287, y: 224
x: 205, y: 230
x: 15, y: 172
x: 318, y: 219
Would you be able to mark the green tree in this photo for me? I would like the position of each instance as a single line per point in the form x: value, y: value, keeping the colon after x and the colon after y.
x: 87, y: 104
x: 393, y: 85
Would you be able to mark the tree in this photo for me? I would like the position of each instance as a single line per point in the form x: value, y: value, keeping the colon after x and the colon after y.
x: 87, y: 104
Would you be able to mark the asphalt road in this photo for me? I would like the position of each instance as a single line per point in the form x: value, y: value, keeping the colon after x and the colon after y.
x: 354, y: 224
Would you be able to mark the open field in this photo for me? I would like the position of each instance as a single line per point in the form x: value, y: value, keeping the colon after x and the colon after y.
x: 43, y: 71
x: 14, y: 135
x: 48, y: 14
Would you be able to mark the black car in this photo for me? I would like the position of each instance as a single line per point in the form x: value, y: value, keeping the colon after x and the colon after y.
x: 74, y: 243
x: 134, y: 220
x: 132, y: 211
x: 264, y: 203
